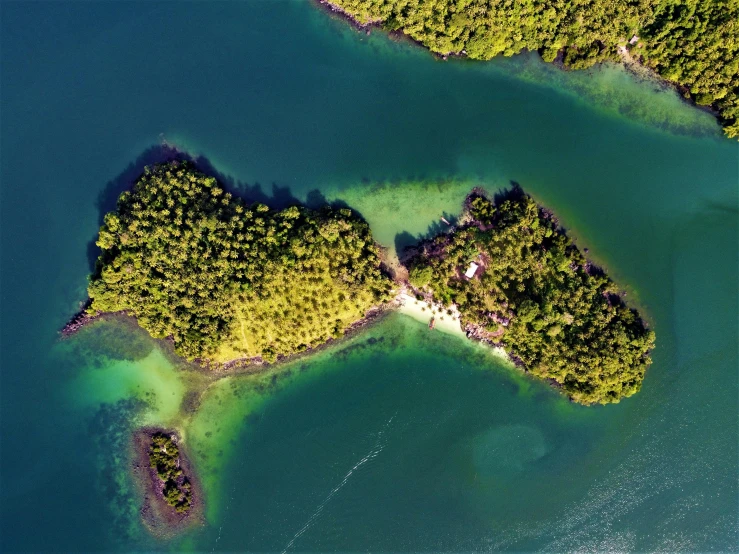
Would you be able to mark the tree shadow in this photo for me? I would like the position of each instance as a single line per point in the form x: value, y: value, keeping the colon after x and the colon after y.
x: 404, y: 242
x: 436, y: 228
x: 107, y: 199
x: 315, y: 200
x: 281, y: 197
x: 515, y: 192
x: 406, y: 245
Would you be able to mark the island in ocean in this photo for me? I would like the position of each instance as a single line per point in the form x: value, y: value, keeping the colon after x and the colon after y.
x: 689, y: 43
x: 172, y: 497
x: 229, y: 284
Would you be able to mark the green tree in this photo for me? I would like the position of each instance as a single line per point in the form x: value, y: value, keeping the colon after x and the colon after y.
x: 537, y: 296
x: 225, y: 280
x: 692, y: 43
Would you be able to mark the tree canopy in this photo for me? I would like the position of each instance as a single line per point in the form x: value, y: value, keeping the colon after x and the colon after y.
x: 536, y: 294
x: 164, y: 457
x: 227, y: 280
x: 692, y: 43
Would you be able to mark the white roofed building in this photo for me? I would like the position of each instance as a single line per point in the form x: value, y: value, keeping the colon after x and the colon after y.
x: 470, y: 273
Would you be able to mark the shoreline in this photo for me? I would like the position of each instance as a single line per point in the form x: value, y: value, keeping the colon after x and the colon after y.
x: 338, y: 12
x: 405, y: 302
x: 639, y: 70
x: 635, y: 67
x: 450, y: 323
x: 82, y: 319
x: 240, y: 366
x: 160, y: 519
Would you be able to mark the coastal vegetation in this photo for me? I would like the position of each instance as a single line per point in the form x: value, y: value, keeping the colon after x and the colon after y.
x: 691, y: 43
x: 535, y: 294
x: 164, y: 458
x: 172, y: 498
x: 225, y: 280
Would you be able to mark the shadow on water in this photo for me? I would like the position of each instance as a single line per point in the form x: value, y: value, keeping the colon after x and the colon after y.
x: 108, y: 197
x: 281, y: 197
x: 405, y: 242
x: 515, y: 192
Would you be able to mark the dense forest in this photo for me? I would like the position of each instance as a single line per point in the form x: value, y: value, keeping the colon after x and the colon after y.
x: 692, y: 43
x: 535, y: 294
x: 164, y: 458
x: 226, y: 280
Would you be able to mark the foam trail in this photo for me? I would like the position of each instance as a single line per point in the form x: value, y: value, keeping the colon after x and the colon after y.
x: 372, y: 454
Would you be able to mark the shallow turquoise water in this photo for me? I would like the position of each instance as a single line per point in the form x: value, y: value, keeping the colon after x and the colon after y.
x: 401, y: 439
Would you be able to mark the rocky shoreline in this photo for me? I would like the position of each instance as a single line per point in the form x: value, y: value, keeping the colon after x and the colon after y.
x: 83, y: 318
x: 338, y: 11
x: 257, y: 364
x: 161, y: 519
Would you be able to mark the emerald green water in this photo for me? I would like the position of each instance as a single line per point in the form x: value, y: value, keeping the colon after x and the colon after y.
x: 398, y: 439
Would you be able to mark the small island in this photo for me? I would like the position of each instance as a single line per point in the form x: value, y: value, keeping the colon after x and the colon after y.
x: 172, y: 498
x: 690, y: 44
x: 164, y: 458
x: 519, y: 282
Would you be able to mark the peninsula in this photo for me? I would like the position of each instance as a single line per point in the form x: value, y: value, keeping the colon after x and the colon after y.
x: 688, y: 43
x: 228, y: 283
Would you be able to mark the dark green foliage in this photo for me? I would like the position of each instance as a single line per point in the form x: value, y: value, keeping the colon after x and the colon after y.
x: 164, y: 457
x: 540, y: 298
x: 693, y: 43
x: 226, y: 280
x: 696, y: 44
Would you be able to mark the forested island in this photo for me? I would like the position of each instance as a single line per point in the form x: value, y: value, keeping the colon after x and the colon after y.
x: 172, y: 498
x: 519, y: 281
x: 226, y: 281
x: 690, y: 43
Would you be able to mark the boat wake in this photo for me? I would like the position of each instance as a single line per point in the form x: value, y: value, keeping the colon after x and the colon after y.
x: 373, y: 453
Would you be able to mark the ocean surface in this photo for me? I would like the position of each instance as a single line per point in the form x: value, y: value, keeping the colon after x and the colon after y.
x: 398, y: 439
